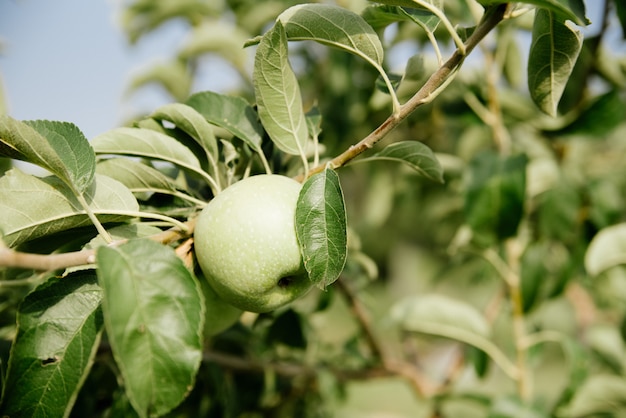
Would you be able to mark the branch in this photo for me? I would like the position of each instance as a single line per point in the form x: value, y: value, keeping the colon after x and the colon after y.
x: 48, y: 262
x: 433, y: 86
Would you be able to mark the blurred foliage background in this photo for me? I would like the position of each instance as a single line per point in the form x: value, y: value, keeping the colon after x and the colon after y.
x: 523, y: 192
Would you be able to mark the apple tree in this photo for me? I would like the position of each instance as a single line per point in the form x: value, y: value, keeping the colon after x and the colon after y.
x: 443, y: 232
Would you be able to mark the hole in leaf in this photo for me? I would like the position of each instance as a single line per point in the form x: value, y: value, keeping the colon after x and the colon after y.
x: 50, y: 360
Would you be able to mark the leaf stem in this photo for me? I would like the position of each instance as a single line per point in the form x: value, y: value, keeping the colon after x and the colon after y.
x: 461, y: 47
x: 103, y: 232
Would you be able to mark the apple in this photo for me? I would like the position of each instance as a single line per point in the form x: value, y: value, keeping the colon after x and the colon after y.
x: 246, y: 245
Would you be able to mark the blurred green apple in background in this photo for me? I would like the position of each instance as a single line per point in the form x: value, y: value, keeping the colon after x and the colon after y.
x: 246, y: 245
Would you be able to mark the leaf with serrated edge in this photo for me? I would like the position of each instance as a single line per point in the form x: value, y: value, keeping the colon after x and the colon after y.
x: 333, y: 26
x: 553, y: 52
x: 278, y: 94
x: 321, y: 227
x: 59, y: 327
x: 231, y: 113
x: 153, y: 314
x: 59, y: 147
x: 417, y: 155
x: 32, y: 207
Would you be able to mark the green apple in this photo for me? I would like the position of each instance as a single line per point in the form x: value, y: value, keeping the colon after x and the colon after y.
x: 219, y: 315
x: 246, y: 245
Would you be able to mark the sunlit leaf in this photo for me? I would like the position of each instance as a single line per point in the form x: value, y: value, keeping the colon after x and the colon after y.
x: 32, y: 207
x: 321, y: 227
x: 146, y: 143
x: 554, y: 48
x: 278, y: 94
x: 173, y: 76
x: 217, y: 37
x: 136, y: 176
x: 334, y: 26
x: 599, y: 395
x: 59, y: 147
x: 153, y: 313
x: 192, y: 122
x: 606, y: 250
x: 58, y: 332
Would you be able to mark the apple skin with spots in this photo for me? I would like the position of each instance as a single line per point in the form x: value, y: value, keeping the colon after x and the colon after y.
x: 246, y: 245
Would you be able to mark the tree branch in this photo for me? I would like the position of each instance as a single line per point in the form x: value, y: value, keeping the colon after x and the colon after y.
x: 439, y: 79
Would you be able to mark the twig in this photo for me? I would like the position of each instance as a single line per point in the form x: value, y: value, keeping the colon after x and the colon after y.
x: 393, y: 367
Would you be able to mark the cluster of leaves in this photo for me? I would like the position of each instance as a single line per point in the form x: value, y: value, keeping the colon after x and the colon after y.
x: 481, y: 269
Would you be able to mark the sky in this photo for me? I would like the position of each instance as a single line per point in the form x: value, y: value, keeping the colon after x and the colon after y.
x: 68, y: 60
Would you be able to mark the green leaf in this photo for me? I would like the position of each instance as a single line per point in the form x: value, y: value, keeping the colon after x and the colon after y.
x: 193, y: 123
x: 442, y: 316
x: 598, y: 119
x: 494, y: 202
x: 59, y: 328
x: 173, y: 76
x: 606, y: 250
x: 278, y: 94
x: 321, y: 227
x: 217, y: 37
x: 136, y: 176
x: 32, y: 207
x: 573, y: 10
x: 599, y: 395
x: 59, y: 147
x: 333, y: 26
x: 379, y: 16
x: 146, y: 143
x: 417, y: 155
x: 553, y: 52
x: 620, y: 10
x: 438, y: 310
x: 231, y: 113
x: 153, y: 313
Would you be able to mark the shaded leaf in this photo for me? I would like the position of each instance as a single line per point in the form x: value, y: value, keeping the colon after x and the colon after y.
x: 333, y: 26
x: 494, y: 202
x: 606, y: 250
x: 321, y: 227
x: 278, y: 94
x: 598, y: 119
x: 416, y: 154
x: 573, y: 10
x: 553, y: 52
x: 153, y: 313
x: 231, y: 113
x: 32, y: 207
x: 59, y: 147
x: 59, y: 326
